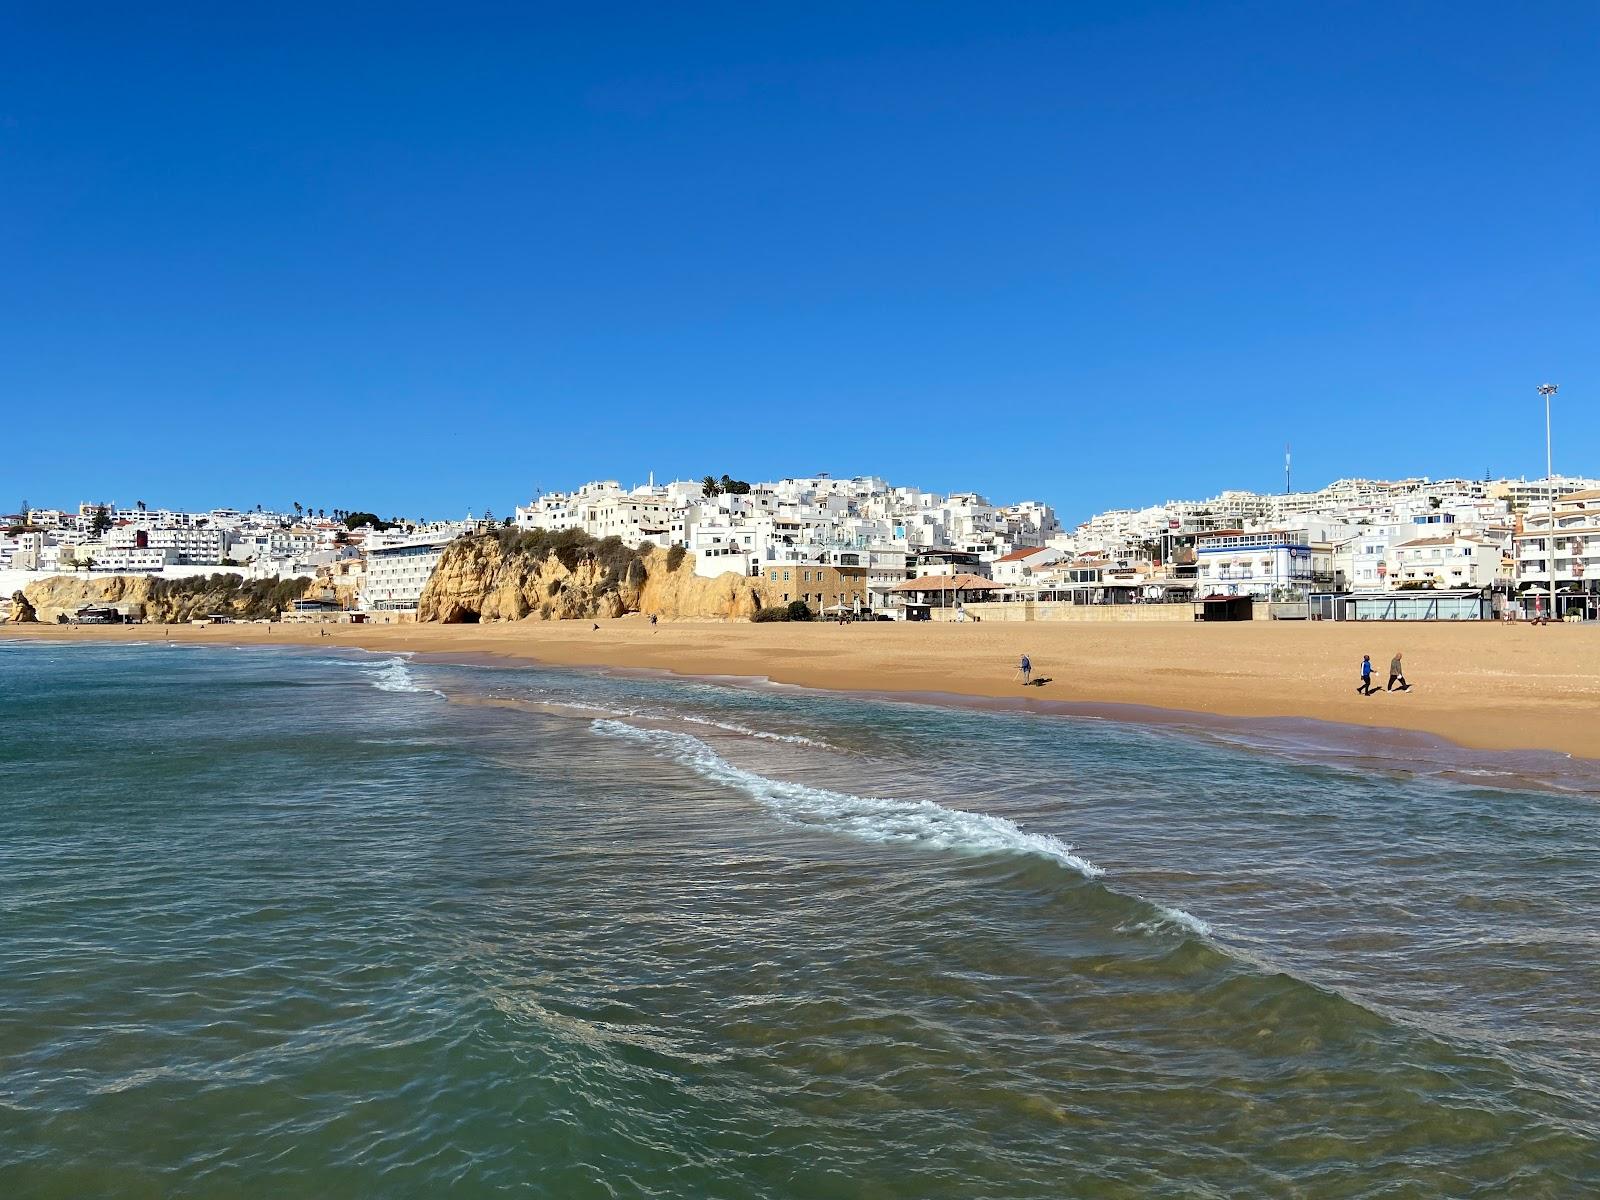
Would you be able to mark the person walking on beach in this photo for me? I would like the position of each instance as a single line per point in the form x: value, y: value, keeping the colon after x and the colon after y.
x: 1026, y: 668
x: 1366, y: 676
x: 1397, y: 672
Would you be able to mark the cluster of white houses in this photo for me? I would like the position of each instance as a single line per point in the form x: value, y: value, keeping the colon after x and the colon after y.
x: 1362, y: 548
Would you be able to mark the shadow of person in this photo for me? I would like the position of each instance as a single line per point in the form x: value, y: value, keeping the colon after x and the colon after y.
x: 1039, y: 682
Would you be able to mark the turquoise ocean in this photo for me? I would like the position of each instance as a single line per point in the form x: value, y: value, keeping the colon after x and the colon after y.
x: 283, y: 922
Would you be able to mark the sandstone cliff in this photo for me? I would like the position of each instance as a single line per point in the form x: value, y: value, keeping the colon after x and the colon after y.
x: 22, y: 612
x: 511, y: 577
x: 166, y: 600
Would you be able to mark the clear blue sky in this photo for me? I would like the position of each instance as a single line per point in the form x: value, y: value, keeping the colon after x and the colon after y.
x: 417, y: 258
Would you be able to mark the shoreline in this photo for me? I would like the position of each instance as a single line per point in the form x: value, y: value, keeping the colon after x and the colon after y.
x: 1477, y: 687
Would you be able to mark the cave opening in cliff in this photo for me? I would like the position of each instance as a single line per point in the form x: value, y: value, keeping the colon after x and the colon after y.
x: 466, y: 616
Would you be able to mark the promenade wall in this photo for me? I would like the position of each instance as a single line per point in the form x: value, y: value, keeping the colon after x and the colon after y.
x: 1062, y: 611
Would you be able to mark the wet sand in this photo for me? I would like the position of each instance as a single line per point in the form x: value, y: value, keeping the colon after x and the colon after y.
x: 1478, y: 685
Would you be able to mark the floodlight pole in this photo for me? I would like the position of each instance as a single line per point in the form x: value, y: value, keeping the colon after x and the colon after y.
x: 1548, y: 390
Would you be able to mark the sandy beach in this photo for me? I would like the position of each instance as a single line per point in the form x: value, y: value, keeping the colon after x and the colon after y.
x: 1479, y: 685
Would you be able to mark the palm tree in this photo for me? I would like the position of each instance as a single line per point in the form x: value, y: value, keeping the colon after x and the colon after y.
x: 709, y: 486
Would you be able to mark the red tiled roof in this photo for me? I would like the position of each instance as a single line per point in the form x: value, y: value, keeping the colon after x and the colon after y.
x: 1019, y: 555
x: 946, y: 583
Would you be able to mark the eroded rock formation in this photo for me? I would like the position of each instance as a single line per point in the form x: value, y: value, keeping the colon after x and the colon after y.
x: 22, y: 612
x: 491, y: 577
x: 166, y: 600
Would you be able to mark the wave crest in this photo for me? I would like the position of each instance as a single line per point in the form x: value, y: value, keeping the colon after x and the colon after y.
x: 870, y: 818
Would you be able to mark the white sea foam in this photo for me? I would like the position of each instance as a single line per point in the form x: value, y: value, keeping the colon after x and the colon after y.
x: 1187, y: 920
x: 585, y: 706
x: 393, y: 675
x: 794, y: 739
x: 1165, y: 919
x: 870, y: 818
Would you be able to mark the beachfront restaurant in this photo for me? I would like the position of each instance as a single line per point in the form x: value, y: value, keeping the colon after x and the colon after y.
x: 1433, y: 605
x: 941, y: 597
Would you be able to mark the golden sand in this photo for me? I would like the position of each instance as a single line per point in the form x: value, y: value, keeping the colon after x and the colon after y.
x: 1476, y: 684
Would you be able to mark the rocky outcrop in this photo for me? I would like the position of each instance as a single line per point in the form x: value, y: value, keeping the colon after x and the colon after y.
x: 66, y: 594
x: 683, y: 594
x: 166, y: 601
x: 22, y: 612
x: 493, y: 577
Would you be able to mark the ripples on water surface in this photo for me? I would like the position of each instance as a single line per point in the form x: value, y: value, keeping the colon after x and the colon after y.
x: 280, y: 924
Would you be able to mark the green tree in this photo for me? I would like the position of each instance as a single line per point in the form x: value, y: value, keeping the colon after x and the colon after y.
x: 355, y: 520
x: 100, y: 522
x: 709, y: 486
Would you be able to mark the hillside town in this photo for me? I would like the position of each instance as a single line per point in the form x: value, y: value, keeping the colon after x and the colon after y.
x: 860, y: 548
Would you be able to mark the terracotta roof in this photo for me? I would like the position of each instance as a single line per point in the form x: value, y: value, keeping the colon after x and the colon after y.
x: 1019, y: 555
x: 946, y: 583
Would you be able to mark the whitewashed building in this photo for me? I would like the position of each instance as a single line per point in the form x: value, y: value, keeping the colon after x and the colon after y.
x: 1446, y: 560
x: 398, y: 569
x: 1563, y: 539
x: 1237, y: 562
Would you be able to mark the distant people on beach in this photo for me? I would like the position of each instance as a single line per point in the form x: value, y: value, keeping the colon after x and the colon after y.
x: 1366, y: 676
x: 1026, y: 668
x: 1396, y: 671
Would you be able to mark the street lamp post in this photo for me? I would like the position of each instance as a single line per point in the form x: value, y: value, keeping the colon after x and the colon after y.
x: 1548, y: 390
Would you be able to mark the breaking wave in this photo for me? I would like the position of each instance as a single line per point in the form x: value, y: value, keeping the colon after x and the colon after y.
x: 794, y: 739
x: 869, y: 818
x: 394, y: 675
x: 647, y: 714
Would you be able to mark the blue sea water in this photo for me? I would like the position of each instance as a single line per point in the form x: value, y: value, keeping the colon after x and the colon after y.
x: 278, y: 922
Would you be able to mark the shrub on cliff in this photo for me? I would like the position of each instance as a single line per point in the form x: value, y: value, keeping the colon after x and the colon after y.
x: 675, y: 556
x: 621, y: 564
